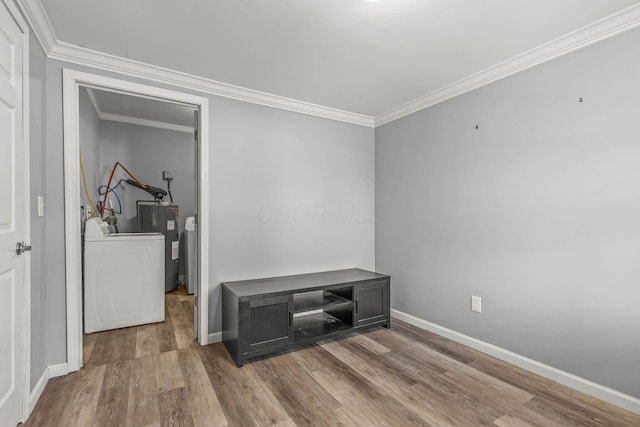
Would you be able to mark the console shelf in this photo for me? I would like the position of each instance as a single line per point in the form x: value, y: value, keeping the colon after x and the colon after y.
x: 317, y: 325
x: 265, y: 315
x: 315, y: 300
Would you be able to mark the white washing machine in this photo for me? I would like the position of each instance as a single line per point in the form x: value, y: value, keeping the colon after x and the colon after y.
x: 123, y: 278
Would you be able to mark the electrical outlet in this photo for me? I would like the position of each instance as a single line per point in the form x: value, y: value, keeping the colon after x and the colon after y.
x: 476, y: 304
x: 40, y: 206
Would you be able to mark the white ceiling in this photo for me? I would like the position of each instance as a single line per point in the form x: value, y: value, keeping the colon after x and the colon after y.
x: 126, y: 108
x: 362, y: 57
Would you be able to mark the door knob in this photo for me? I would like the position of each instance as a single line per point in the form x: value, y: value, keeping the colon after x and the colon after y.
x: 22, y: 247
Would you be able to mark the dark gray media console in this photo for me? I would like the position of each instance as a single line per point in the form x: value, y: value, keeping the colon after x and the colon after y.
x: 265, y: 315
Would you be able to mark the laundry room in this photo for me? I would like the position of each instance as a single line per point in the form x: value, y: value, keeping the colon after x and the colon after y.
x: 138, y: 209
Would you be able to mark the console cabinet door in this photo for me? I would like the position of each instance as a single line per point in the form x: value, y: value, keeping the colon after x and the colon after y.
x: 371, y: 303
x: 270, y: 323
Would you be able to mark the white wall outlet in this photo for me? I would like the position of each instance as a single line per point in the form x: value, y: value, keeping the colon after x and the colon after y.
x: 476, y: 304
x: 40, y: 206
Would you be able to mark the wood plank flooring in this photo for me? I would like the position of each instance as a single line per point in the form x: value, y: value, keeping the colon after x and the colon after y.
x: 156, y: 375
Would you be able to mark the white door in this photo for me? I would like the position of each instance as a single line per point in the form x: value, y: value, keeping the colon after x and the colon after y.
x: 13, y: 224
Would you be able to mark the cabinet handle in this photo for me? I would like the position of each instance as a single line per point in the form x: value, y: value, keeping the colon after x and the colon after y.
x: 356, y: 306
x: 291, y: 318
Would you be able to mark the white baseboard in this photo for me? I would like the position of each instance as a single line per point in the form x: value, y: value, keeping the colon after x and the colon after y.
x: 58, y: 370
x: 215, y: 337
x: 51, y: 371
x: 38, y: 389
x: 601, y: 392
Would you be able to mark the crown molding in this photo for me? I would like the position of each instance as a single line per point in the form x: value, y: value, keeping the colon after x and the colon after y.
x: 37, y: 17
x: 39, y: 22
x: 91, y: 58
x: 606, y: 27
x: 92, y: 98
x: 111, y: 117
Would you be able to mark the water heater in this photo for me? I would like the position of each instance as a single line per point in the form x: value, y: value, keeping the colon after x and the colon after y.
x: 162, y: 217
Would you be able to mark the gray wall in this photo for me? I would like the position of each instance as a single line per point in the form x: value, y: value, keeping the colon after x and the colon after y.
x: 89, y: 128
x: 290, y: 194
x: 146, y: 152
x: 264, y: 162
x: 54, y: 260
x: 38, y: 165
x: 537, y: 211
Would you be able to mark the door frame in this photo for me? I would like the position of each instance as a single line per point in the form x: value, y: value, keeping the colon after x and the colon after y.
x: 72, y: 81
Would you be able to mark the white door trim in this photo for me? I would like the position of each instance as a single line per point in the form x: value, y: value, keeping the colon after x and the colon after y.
x: 72, y: 80
x: 26, y: 308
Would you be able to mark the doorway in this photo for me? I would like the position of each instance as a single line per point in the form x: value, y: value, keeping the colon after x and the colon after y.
x: 73, y: 83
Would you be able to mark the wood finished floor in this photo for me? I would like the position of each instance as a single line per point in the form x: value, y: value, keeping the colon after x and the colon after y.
x: 155, y: 375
